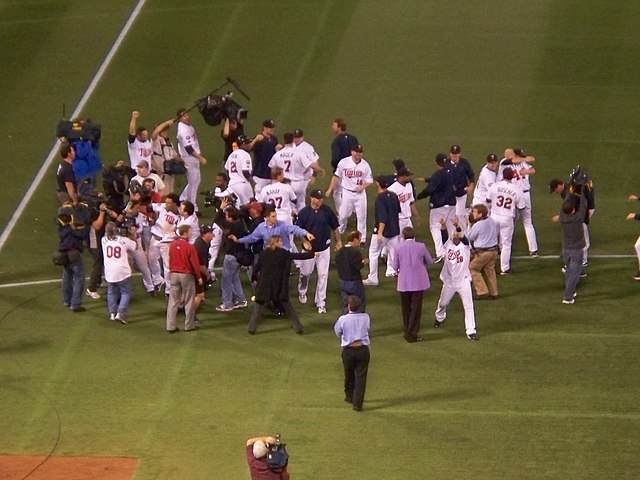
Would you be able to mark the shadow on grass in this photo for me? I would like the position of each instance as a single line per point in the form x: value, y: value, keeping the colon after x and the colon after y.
x: 419, y: 398
x: 23, y: 346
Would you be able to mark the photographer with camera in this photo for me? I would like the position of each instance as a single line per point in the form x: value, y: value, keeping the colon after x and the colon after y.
x: 267, y: 458
x: 100, y: 216
x: 165, y: 161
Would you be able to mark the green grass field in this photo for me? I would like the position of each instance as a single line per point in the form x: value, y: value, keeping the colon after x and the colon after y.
x: 549, y: 392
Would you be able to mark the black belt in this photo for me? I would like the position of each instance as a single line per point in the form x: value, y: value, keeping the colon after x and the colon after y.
x: 352, y: 191
x: 525, y: 191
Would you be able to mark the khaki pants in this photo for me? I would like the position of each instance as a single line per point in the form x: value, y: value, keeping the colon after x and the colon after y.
x: 483, y: 272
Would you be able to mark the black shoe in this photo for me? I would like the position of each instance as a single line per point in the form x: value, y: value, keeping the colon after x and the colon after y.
x: 77, y: 309
x: 175, y: 330
x: 357, y: 409
x: 437, y: 324
x: 252, y: 332
x: 473, y: 337
x: 192, y: 329
x: 348, y: 400
x: 583, y: 274
x: 493, y: 297
x: 507, y: 272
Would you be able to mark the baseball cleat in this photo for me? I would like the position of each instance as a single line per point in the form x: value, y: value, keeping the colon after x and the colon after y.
x: 302, y: 298
x: 369, y: 283
x: 569, y: 302
x: 637, y: 276
x: 322, y: 310
x: 473, y: 337
x: 534, y: 254
x: 437, y: 323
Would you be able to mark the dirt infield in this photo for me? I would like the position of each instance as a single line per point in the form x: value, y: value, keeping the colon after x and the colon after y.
x: 15, y: 467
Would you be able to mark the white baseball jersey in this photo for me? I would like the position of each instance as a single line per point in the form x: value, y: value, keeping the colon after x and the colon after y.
x: 237, y: 161
x: 405, y: 197
x: 187, y: 138
x: 310, y: 152
x: 519, y: 179
x: 192, y: 221
x: 139, y: 151
x: 522, y: 179
x: 294, y: 163
x: 116, y: 258
x: 282, y: 197
x: 158, y: 184
x: 504, y: 198
x: 166, y: 221
x: 352, y: 174
x: 455, y: 268
x: 486, y: 178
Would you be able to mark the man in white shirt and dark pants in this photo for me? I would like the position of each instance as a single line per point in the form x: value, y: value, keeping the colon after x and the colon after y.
x: 189, y: 150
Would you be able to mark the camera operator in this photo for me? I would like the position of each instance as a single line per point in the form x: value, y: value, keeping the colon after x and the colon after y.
x: 163, y: 152
x: 257, y: 449
x: 100, y: 216
x: 66, y: 178
x: 231, y: 130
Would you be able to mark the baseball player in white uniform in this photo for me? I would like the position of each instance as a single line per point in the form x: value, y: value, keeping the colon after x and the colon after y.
x: 503, y: 199
x: 309, y: 151
x: 163, y: 232
x: 354, y: 174
x: 140, y: 259
x: 117, y: 272
x: 519, y: 162
x: 403, y: 188
x: 280, y: 195
x: 486, y: 178
x: 189, y: 217
x: 139, y: 145
x: 189, y: 150
x: 238, y: 166
x: 294, y: 163
x: 456, y: 278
